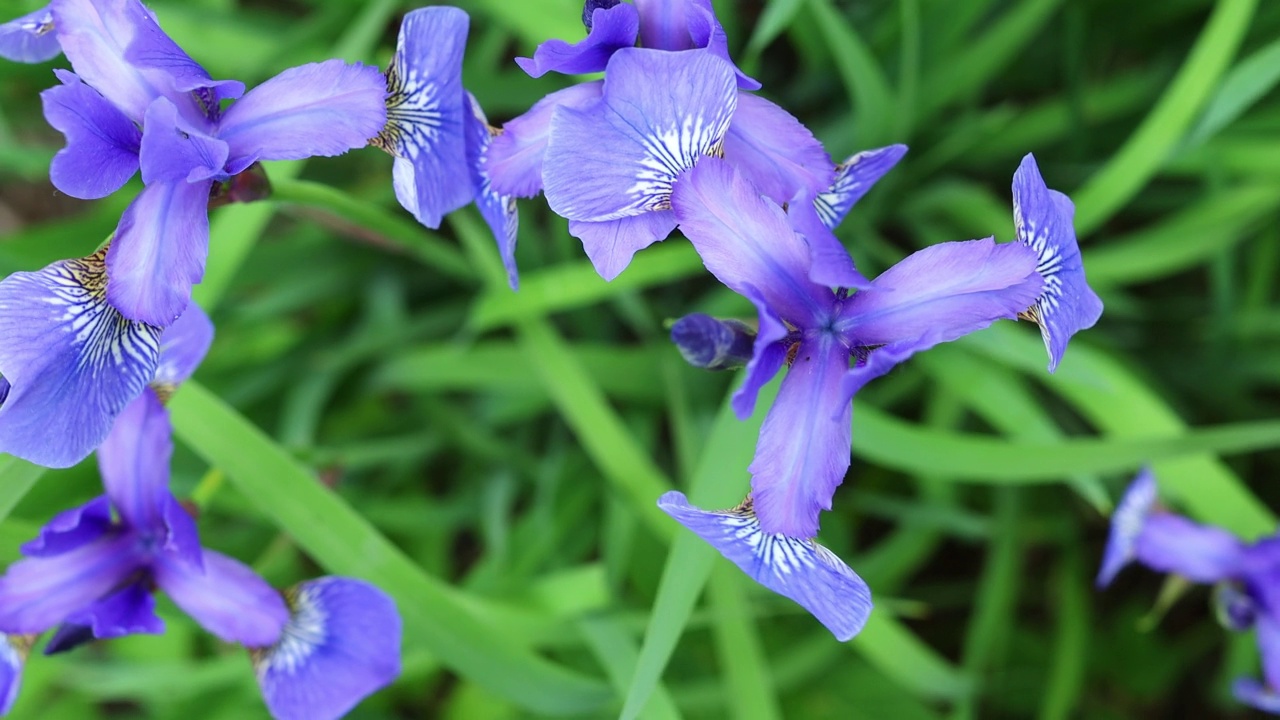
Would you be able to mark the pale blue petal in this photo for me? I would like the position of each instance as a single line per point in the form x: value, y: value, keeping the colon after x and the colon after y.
x: 796, y: 568
x: 425, y: 114
x: 37, y: 593
x: 775, y: 152
x: 72, y: 361
x: 341, y: 644
x: 102, y: 143
x: 803, y: 451
x: 660, y: 113
x: 745, y: 240
x: 225, y: 596
x: 515, y: 156
x: 30, y: 39
x: 853, y: 178
x: 1044, y: 217
x: 317, y: 109
x: 611, y: 244
x: 1127, y: 521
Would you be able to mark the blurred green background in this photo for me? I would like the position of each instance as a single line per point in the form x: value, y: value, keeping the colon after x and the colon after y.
x: 379, y: 404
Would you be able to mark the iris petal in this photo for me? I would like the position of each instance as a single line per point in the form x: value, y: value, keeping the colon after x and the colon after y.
x: 796, y: 568
x: 1127, y: 521
x: 611, y: 29
x: 342, y: 642
x: 182, y: 346
x: 30, y: 38
x: 775, y: 152
x: 40, y: 592
x: 127, y: 611
x: 659, y: 114
x: 1201, y: 553
x: 803, y: 451
x: 425, y: 112
x: 159, y: 251
x: 102, y: 143
x: 498, y: 211
x: 1043, y: 217
x: 13, y: 656
x: 225, y: 596
x: 853, y: 178
x: 72, y: 360
x: 71, y: 529
x: 134, y: 460
x: 317, y: 109
x: 610, y: 244
x: 515, y: 157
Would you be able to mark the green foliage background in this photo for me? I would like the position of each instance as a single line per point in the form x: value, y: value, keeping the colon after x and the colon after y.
x: 379, y: 404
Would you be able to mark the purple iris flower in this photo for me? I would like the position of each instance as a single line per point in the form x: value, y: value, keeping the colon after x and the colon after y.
x: 1044, y: 223
x: 318, y: 650
x: 770, y: 256
x: 1247, y: 575
x: 137, y: 101
x: 69, y: 361
x: 665, y: 105
x: 30, y: 38
x: 498, y: 210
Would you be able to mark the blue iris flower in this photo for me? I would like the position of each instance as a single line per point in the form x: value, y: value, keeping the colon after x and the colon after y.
x: 835, y: 330
x: 137, y: 101
x: 318, y: 649
x: 1247, y: 575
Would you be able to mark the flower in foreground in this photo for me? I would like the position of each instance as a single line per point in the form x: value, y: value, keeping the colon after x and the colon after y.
x: 1247, y: 576
x: 137, y: 101
x: 30, y: 38
x: 936, y: 295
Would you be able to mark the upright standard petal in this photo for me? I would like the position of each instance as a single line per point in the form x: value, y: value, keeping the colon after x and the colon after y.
x: 659, y: 114
x: 130, y: 610
x: 803, y: 451
x: 1127, y: 521
x: 515, y: 156
x: 829, y: 262
x: 611, y: 29
x: 342, y: 643
x: 117, y: 48
x: 182, y: 346
x: 942, y: 292
x: 225, y: 596
x: 610, y: 244
x: 1201, y: 553
x: 498, y: 211
x: 775, y: 152
x: 853, y: 178
x: 159, y: 251
x: 796, y: 568
x: 38, y: 593
x: 102, y: 143
x: 711, y: 343
x: 30, y: 39
x: 745, y: 240
x: 1044, y: 217
x: 72, y: 361
x: 134, y: 460
x: 322, y: 108
x: 425, y: 114
x: 13, y: 655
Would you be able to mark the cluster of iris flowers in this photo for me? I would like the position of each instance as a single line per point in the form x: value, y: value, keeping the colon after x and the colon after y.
x: 671, y: 137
